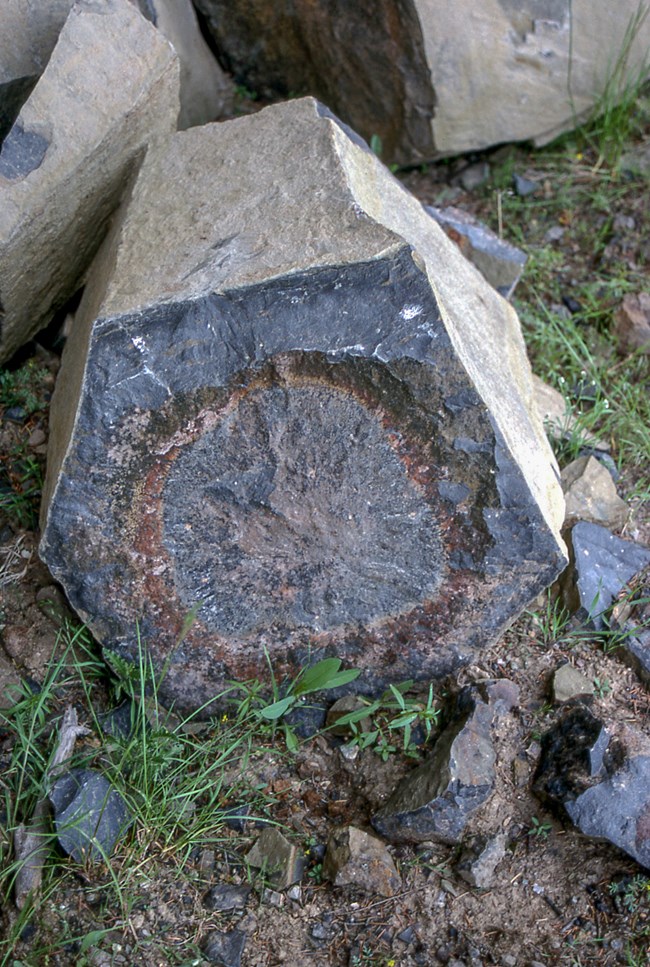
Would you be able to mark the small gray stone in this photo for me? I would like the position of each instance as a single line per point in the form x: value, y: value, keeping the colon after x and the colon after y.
x: 474, y: 175
x: 554, y: 233
x: 500, y: 263
x: 280, y: 861
x: 524, y: 186
x: 226, y: 897
x: 89, y: 814
x: 480, y: 859
x: 569, y: 684
x: 225, y: 948
x: 355, y: 858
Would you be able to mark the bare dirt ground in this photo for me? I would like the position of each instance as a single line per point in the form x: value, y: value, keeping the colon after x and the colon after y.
x: 557, y: 898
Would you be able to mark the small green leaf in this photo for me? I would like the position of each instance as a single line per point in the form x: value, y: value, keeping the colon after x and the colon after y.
x: 277, y: 709
x: 291, y: 739
x: 399, y: 698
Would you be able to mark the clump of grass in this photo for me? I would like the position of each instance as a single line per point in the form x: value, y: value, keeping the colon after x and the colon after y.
x: 179, y: 776
x: 614, y: 117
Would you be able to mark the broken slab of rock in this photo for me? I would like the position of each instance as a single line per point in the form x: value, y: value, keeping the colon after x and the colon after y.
x: 280, y: 861
x: 28, y: 33
x: 90, y: 815
x: 438, y: 798
x: 602, y: 565
x: 290, y: 407
x: 497, y: 261
x: 355, y: 858
x: 431, y: 77
x: 110, y: 86
x: 601, y: 782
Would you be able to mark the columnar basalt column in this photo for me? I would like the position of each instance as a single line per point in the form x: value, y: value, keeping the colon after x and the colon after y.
x: 290, y: 408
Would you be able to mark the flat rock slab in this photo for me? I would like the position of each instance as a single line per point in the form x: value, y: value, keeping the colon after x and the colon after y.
x: 291, y: 408
x: 602, y: 782
x: 497, y: 261
x: 89, y: 814
x: 604, y: 564
x: 431, y: 77
x: 110, y: 86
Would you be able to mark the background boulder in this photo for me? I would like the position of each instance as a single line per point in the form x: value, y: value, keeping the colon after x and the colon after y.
x: 110, y: 86
x: 431, y: 77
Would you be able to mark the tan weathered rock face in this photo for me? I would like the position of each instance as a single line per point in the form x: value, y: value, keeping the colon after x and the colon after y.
x: 429, y: 76
x: 110, y: 86
x: 28, y: 33
x: 590, y: 494
x: 206, y: 91
x: 291, y: 407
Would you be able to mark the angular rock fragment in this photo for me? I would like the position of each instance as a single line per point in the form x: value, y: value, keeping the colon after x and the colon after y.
x: 479, y: 860
x: 291, y: 408
x: 432, y: 77
x: 497, y: 261
x: 630, y: 622
x: 110, y: 86
x: 632, y: 324
x: 89, y: 814
x: 279, y: 860
x: 437, y: 799
x: 601, y: 782
x: 355, y: 858
x: 602, y: 566
x: 226, y: 898
x: 225, y: 947
x: 590, y: 494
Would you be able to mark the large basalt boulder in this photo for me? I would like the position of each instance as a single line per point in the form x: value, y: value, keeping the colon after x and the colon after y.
x: 110, y: 86
x: 432, y: 77
x: 290, y: 408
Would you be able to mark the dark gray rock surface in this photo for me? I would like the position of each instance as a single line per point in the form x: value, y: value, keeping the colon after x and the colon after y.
x: 601, y: 782
x: 90, y: 815
x: 225, y: 947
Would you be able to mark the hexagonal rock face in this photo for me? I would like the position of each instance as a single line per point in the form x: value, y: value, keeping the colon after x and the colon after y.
x: 290, y: 406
